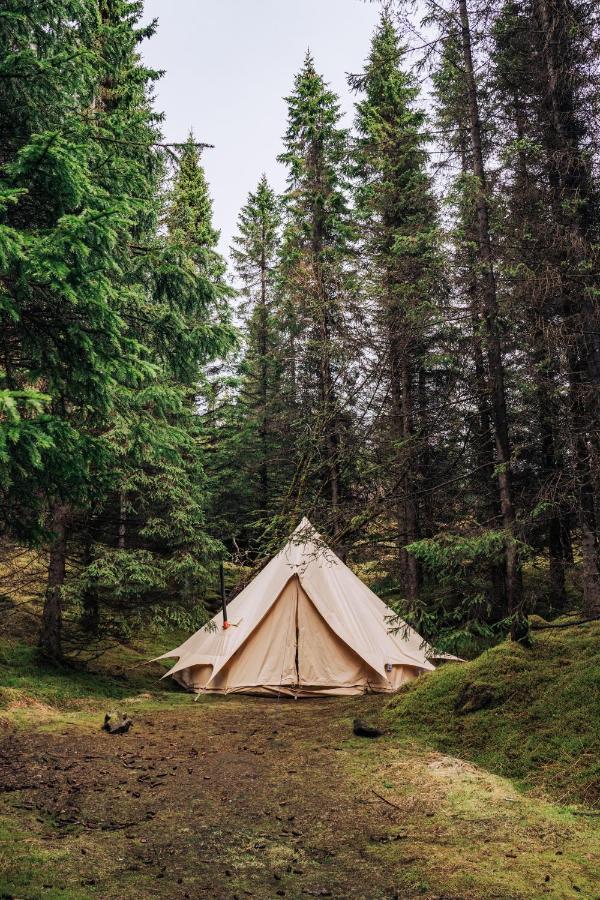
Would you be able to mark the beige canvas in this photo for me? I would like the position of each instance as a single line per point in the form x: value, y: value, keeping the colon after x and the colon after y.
x: 306, y: 625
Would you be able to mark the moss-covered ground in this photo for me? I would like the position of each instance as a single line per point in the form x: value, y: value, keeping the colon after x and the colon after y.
x: 530, y: 714
x: 248, y: 797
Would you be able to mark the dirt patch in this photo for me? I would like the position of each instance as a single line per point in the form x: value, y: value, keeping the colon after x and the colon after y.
x: 242, y: 797
x: 450, y: 766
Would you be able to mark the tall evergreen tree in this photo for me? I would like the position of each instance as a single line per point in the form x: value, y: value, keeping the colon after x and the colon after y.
x: 525, y: 233
x: 102, y: 321
x: 150, y: 536
x: 567, y: 99
x: 397, y: 211
x: 316, y: 255
x: 64, y: 328
x: 544, y: 53
x: 455, y: 27
x: 255, y: 255
x: 189, y: 212
x: 478, y: 507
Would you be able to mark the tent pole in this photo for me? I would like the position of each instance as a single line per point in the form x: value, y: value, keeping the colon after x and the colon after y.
x: 223, y: 600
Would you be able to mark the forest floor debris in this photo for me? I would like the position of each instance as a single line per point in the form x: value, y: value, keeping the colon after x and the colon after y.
x: 235, y: 797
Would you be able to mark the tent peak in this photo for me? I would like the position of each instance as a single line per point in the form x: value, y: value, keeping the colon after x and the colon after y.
x: 305, y: 525
x: 305, y: 533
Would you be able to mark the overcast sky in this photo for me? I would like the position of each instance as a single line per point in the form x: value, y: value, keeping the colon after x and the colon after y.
x: 229, y: 64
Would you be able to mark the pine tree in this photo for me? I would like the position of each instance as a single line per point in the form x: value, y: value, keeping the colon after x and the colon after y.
x: 566, y: 101
x: 525, y: 236
x: 543, y: 55
x: 455, y: 26
x: 63, y: 328
x: 315, y: 269
x: 105, y: 325
x: 397, y: 212
x: 255, y: 255
x: 190, y: 210
x: 151, y: 536
x: 478, y: 508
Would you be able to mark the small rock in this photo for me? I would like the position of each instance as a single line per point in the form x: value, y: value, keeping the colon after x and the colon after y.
x: 361, y: 729
x: 117, y: 726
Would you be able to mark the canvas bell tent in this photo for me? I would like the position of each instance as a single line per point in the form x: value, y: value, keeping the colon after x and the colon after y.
x: 305, y: 626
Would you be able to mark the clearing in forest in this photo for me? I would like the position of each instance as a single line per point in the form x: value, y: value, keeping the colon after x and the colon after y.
x: 246, y: 797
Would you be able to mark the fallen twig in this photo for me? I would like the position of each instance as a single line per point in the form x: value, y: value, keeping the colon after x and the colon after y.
x: 385, y: 800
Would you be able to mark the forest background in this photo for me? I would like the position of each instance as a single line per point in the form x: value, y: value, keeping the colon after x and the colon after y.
x: 410, y: 357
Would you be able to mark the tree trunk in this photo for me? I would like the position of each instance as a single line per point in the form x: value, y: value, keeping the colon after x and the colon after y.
x: 484, y: 450
x: 483, y: 445
x: 548, y: 415
x: 90, y: 618
x: 264, y: 387
x: 575, y: 211
x: 122, y: 521
x: 586, y: 513
x: 50, y: 637
x: 410, y: 505
x: 403, y: 437
x: 426, y: 511
x: 329, y: 412
x: 544, y: 377
x: 492, y: 329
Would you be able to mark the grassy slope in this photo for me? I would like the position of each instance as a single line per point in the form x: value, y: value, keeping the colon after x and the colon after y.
x: 121, y: 673
x: 532, y: 715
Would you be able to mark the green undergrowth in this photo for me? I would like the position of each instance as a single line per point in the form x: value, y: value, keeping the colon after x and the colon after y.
x: 532, y: 715
x: 120, y: 673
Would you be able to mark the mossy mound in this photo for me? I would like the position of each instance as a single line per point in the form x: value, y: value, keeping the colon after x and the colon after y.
x: 529, y: 714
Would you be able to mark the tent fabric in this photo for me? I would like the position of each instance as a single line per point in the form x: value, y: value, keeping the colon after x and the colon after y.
x: 305, y: 626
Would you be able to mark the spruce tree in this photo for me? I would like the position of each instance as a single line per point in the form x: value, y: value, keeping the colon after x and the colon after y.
x: 105, y: 325
x: 315, y: 268
x: 150, y: 536
x: 397, y: 212
x: 566, y: 102
x: 255, y: 255
x: 190, y: 210
x: 472, y: 427
x: 63, y: 330
x: 455, y: 30
x: 525, y: 234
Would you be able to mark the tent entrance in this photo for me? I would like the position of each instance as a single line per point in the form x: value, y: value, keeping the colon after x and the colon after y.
x: 325, y: 662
